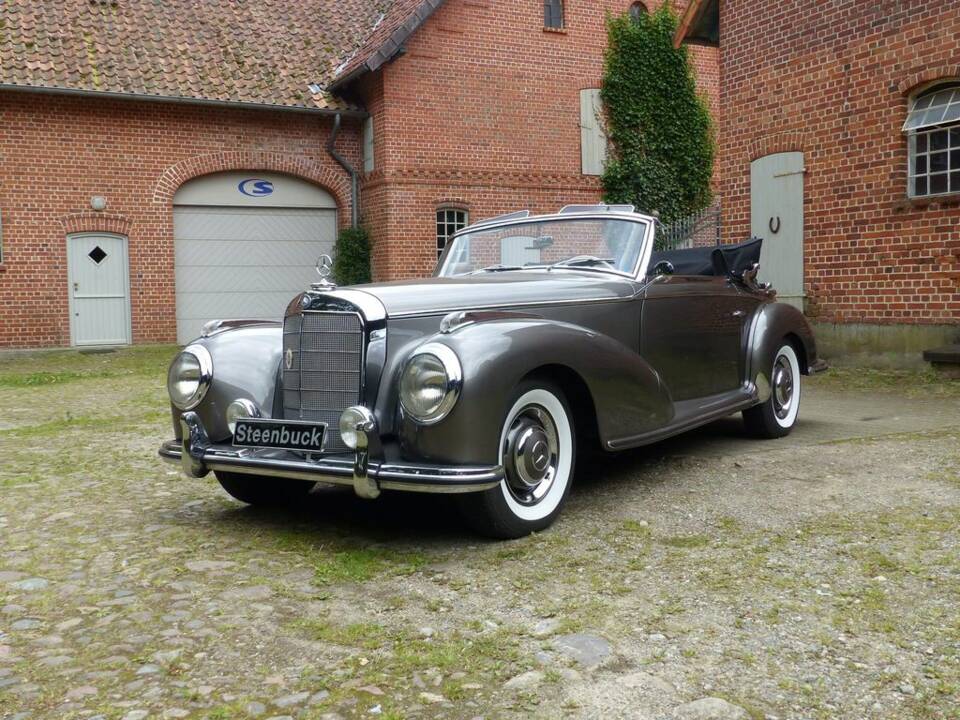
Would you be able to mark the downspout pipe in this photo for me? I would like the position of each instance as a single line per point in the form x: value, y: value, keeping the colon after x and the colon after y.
x: 354, y: 177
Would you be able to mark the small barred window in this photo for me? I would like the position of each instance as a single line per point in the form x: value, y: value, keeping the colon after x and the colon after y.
x: 637, y: 10
x: 449, y: 222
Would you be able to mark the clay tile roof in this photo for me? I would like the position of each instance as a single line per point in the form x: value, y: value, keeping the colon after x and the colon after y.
x: 237, y: 51
x: 397, y: 24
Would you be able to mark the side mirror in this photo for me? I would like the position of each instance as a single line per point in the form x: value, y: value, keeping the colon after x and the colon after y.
x: 664, y: 267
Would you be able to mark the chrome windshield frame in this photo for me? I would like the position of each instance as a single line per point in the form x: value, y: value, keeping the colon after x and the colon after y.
x: 643, y: 258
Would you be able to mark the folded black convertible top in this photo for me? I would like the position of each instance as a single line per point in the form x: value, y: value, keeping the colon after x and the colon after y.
x: 701, y: 260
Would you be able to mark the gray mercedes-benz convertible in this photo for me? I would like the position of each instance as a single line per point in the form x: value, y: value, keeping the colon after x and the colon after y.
x: 535, y: 336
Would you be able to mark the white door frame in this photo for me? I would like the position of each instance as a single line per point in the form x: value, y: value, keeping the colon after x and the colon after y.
x: 125, y: 242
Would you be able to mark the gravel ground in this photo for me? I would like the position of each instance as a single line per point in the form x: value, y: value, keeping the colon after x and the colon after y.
x: 706, y: 577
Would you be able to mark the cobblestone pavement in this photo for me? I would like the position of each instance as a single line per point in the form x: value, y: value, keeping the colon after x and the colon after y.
x: 709, y: 576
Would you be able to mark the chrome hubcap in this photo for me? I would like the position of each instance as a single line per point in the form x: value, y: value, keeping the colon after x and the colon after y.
x: 531, y: 455
x: 782, y: 387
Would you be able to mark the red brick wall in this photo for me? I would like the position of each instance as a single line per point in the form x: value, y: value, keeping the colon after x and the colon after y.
x: 57, y: 152
x: 483, y: 111
x: 832, y: 79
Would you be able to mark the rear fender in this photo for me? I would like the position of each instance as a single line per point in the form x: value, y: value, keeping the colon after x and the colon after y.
x: 773, y: 323
x: 626, y: 392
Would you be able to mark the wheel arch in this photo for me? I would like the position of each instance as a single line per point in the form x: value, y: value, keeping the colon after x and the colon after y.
x: 611, y: 384
x: 797, y: 343
x: 776, y: 322
x: 578, y: 396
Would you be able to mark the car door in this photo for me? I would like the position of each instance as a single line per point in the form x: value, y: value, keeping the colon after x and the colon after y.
x: 691, y: 332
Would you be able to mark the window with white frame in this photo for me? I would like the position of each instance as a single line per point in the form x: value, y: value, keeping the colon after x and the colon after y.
x: 449, y: 222
x: 933, y: 137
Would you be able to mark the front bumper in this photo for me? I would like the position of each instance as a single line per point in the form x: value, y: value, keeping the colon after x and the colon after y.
x: 368, y: 476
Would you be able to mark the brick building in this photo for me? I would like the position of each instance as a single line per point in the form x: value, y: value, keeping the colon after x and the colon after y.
x: 166, y: 163
x: 840, y: 145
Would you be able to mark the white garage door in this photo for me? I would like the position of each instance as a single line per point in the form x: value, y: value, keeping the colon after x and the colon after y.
x: 246, y: 243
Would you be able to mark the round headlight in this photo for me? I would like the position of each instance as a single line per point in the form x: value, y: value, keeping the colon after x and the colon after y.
x: 430, y: 384
x: 239, y: 409
x: 189, y: 377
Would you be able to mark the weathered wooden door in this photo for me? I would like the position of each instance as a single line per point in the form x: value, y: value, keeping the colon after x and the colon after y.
x: 776, y: 215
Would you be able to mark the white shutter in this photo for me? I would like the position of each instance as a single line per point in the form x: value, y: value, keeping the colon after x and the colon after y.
x: 593, y: 141
x: 368, y: 145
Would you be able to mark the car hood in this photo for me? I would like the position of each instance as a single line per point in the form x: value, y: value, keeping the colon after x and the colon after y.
x: 496, y: 290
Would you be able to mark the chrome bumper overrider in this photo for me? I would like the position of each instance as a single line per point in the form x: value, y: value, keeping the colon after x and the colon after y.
x: 368, y: 476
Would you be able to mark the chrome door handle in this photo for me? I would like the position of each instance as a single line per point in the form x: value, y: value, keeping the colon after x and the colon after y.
x: 738, y: 313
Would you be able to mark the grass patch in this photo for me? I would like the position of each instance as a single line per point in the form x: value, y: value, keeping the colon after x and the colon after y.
x: 85, y: 422
x: 362, y: 564
x: 368, y: 636
x: 685, y: 542
x: 912, y: 383
x: 334, y: 564
x: 389, y: 658
x: 40, y: 368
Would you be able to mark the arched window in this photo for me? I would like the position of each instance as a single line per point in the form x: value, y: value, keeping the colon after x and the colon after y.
x: 553, y: 14
x: 637, y: 10
x: 933, y: 135
x: 450, y: 220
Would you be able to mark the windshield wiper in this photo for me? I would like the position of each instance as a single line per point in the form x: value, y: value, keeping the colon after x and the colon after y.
x: 583, y: 261
x: 495, y: 268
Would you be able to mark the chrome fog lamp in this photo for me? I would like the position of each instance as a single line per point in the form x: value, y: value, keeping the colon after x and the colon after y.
x: 238, y: 410
x: 189, y: 377
x: 430, y: 384
x: 353, y: 421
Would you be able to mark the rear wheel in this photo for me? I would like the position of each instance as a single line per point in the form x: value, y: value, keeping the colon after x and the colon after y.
x: 257, y: 490
x: 776, y: 416
x: 537, y: 451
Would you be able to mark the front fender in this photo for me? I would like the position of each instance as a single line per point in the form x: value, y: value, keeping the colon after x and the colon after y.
x: 245, y: 365
x: 626, y: 392
x: 772, y: 323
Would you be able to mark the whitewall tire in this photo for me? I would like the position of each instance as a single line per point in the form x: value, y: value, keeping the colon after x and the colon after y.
x: 538, y: 454
x: 776, y: 416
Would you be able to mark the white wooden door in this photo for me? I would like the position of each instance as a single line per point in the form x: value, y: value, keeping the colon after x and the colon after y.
x: 98, y: 274
x: 776, y: 215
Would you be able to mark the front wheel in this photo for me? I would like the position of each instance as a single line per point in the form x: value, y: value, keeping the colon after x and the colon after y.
x: 537, y: 451
x: 256, y: 490
x: 775, y: 417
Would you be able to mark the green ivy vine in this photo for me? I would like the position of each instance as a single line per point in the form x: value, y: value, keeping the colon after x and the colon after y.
x: 657, y: 123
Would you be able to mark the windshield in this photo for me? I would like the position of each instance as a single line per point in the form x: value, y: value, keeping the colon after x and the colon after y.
x: 613, y: 245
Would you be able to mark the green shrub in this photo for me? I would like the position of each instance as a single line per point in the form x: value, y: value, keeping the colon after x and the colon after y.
x: 658, y: 125
x: 351, y: 265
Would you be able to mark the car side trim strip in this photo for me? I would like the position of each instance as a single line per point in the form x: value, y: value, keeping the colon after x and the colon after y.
x: 686, y: 423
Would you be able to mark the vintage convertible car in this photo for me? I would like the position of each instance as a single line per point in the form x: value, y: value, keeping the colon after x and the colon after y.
x: 536, y: 334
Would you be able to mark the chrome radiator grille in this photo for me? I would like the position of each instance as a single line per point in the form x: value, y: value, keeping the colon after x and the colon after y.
x: 325, y: 375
